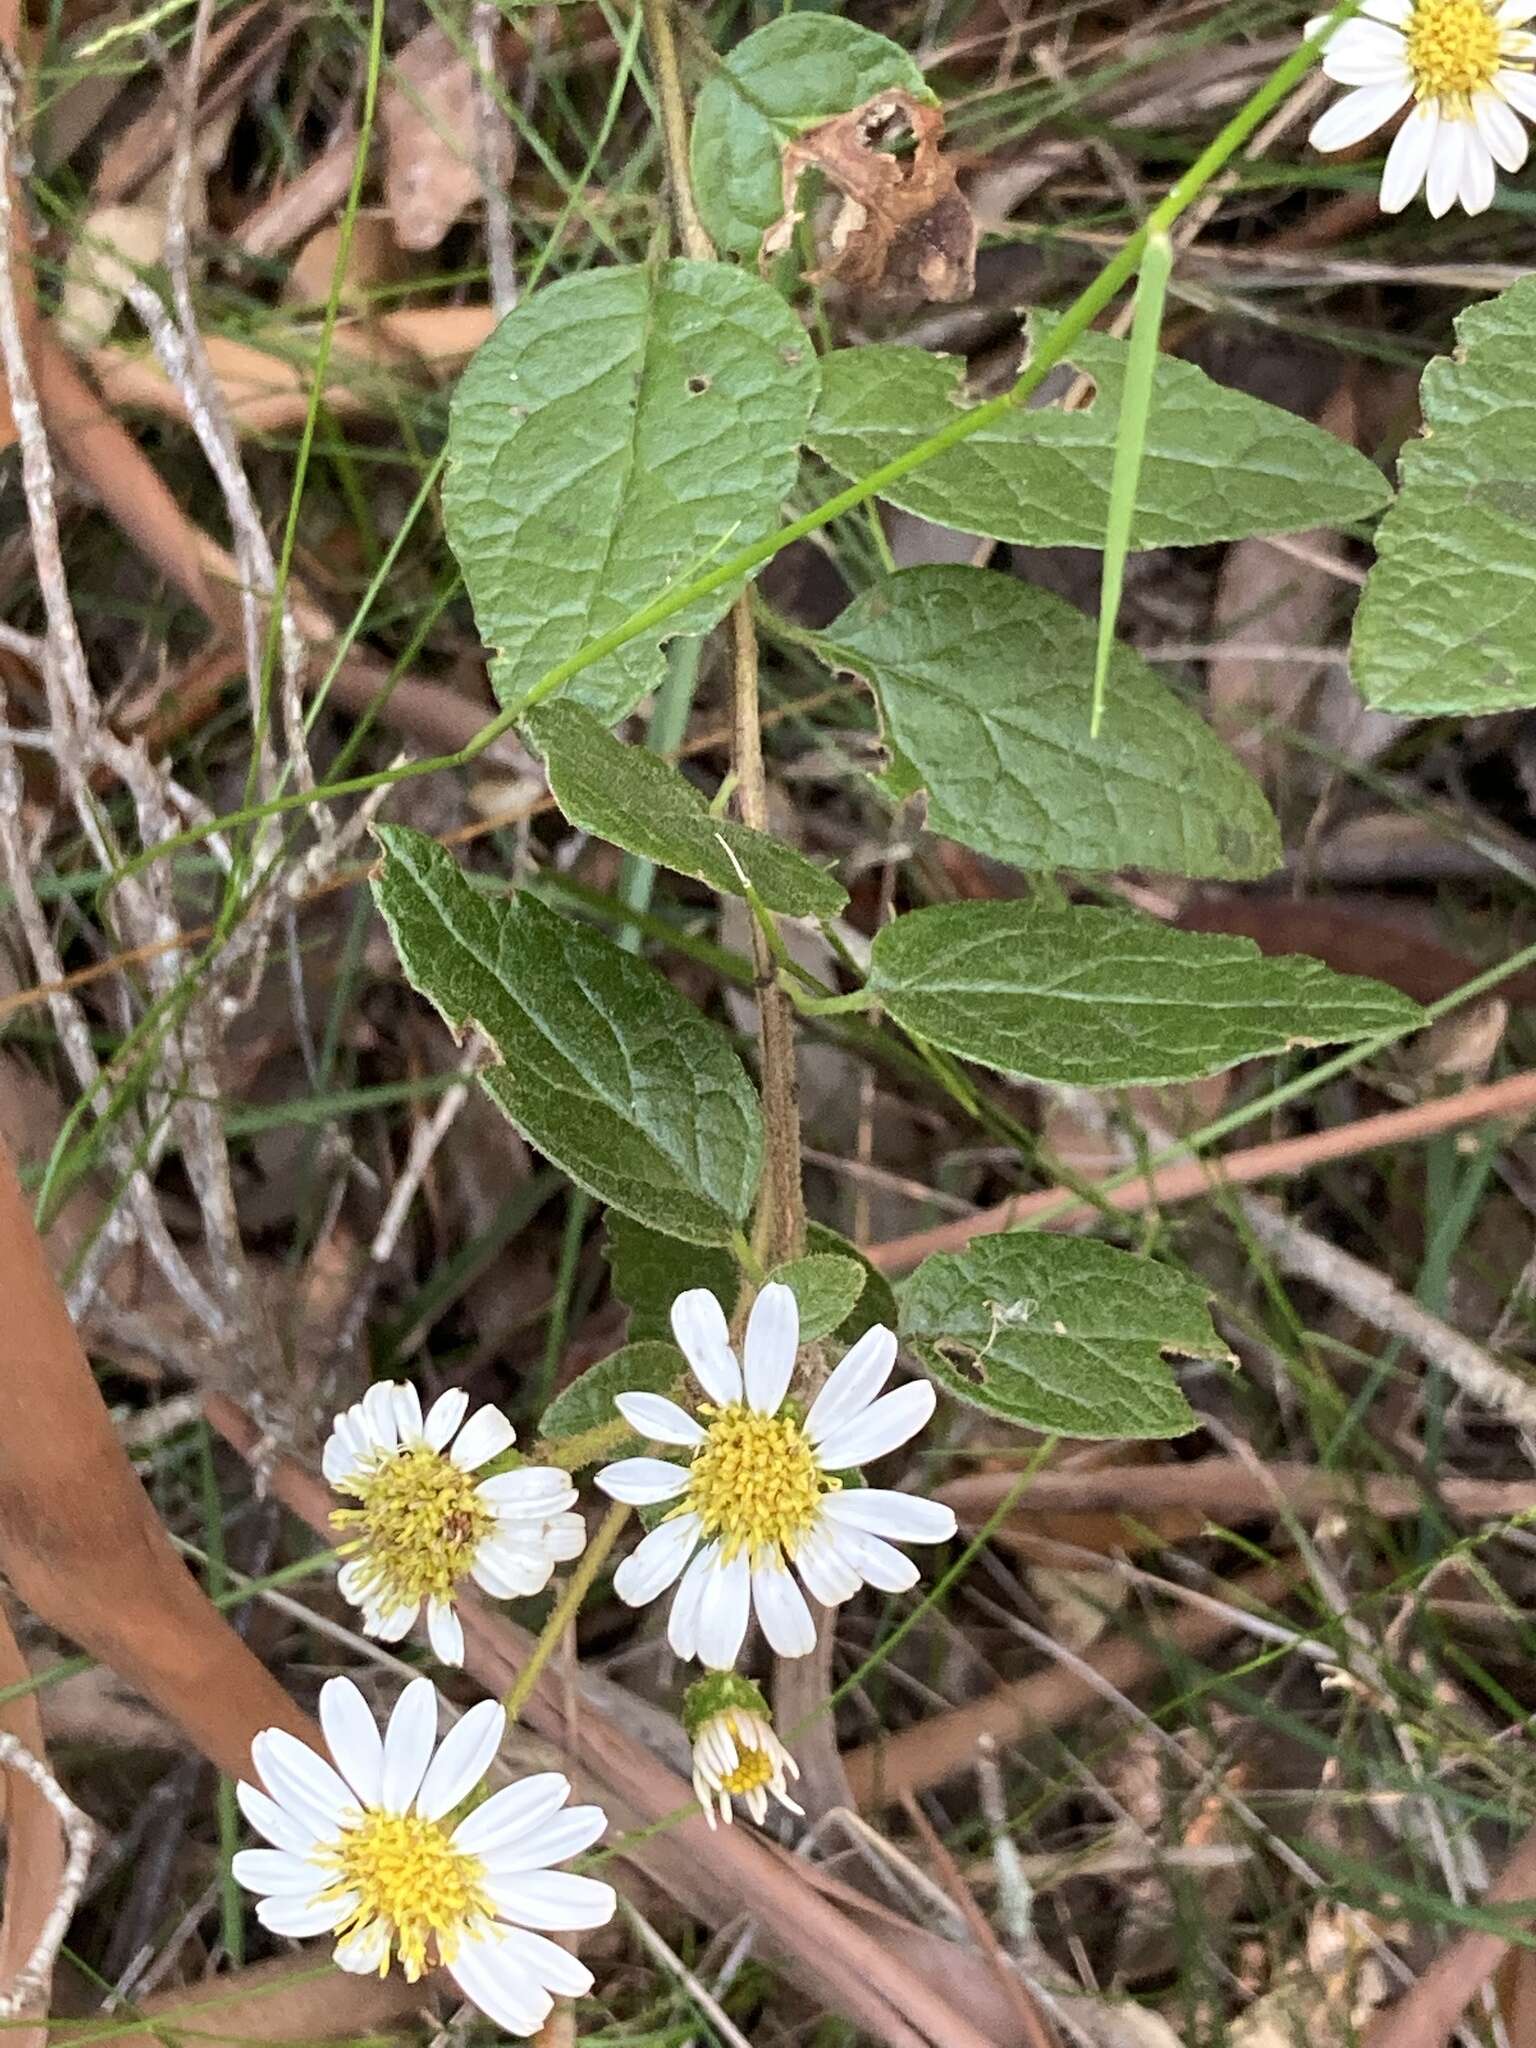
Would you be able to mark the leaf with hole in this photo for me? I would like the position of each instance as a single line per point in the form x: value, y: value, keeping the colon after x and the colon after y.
x: 773, y: 87
x: 986, y: 686
x: 1216, y: 465
x: 587, y: 1403
x: 1060, y: 1334
x: 603, y: 1066
x: 1102, y: 998
x: 620, y: 432
x: 637, y: 801
x: 1447, y: 621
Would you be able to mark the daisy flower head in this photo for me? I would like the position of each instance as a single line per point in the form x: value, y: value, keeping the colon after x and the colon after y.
x: 365, y: 1847
x: 1464, y: 67
x: 423, y: 1523
x: 736, y: 1754
x: 759, y: 1489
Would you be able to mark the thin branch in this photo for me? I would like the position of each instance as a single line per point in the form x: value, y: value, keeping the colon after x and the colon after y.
x: 30, y: 1988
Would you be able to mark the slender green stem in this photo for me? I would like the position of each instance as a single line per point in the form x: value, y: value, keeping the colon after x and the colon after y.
x: 567, y: 1607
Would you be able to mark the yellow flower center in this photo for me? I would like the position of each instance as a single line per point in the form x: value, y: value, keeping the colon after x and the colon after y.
x: 755, y: 1482
x: 420, y: 1524
x: 754, y: 1768
x: 407, y: 1874
x: 1453, y: 49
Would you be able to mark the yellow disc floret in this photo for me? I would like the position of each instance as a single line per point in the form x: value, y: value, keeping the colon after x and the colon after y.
x: 410, y: 1881
x: 754, y: 1767
x: 1453, y: 49
x: 420, y: 1524
x: 754, y: 1483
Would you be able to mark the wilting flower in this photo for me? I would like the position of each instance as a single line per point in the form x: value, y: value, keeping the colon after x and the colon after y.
x: 369, y: 1851
x: 759, y: 1489
x: 423, y: 1521
x: 735, y: 1751
x: 1466, y: 67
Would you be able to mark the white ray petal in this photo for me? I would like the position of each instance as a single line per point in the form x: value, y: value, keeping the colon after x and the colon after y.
x: 1408, y: 158
x: 276, y: 1873
x: 880, y: 1511
x: 1358, y: 114
x: 782, y: 1611
x: 890, y: 1421
x: 445, y: 1632
x: 656, y: 1560
x: 772, y: 1340
x: 498, y: 1982
x: 643, y: 1481
x: 514, y: 1811
x: 485, y: 1436
x: 352, y: 1736
x: 659, y: 1420
x: 1444, y: 179
x: 408, y: 1743
x: 558, y: 1900
x: 299, y: 1917
x: 284, y: 1830
x: 683, y: 1621
x: 444, y: 1417
x: 1476, y: 188
x: 462, y: 1760
x: 854, y: 1383
x: 301, y: 1780
x: 698, y: 1324
x: 723, y: 1613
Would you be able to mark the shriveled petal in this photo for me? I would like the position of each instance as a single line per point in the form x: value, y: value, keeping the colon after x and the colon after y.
x: 878, y: 1563
x: 698, y: 1324
x: 485, y: 1436
x: 658, y: 1420
x: 1444, y: 180
x: 1408, y: 158
x: 1358, y: 114
x: 352, y: 1736
x: 379, y: 1414
x: 683, y: 1621
x: 284, y: 1830
x: 724, y: 1612
x: 444, y: 1417
x: 883, y: 1425
x: 555, y: 1899
x: 1503, y: 132
x: 828, y: 1575
x: 565, y: 1834
x: 445, y: 1632
x: 408, y: 1743
x: 1478, y: 182
x: 301, y: 1780
x: 277, y: 1874
x: 462, y: 1760
x: 643, y: 1481
x: 656, y: 1560
x: 299, y: 1917
x: 511, y: 1813
x: 782, y: 1611
x: 498, y: 1981
x: 365, y: 1953
x: 565, y: 1537
x: 854, y: 1383
x: 772, y: 1340
x: 879, y: 1511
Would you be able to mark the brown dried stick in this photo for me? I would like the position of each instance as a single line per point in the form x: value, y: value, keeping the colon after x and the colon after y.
x: 1183, y: 1179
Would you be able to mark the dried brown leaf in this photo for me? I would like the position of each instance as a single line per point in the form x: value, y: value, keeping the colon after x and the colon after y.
x: 903, y: 231
x: 427, y: 113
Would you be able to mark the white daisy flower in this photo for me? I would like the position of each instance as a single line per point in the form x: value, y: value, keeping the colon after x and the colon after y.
x: 369, y: 1851
x: 735, y: 1751
x: 424, y: 1523
x: 759, y: 1492
x: 1466, y: 67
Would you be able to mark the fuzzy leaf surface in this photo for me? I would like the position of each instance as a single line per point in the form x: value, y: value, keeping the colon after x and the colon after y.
x: 604, y: 1067
x: 1060, y: 1334
x: 778, y: 82
x: 1447, y: 621
x: 1218, y: 465
x: 827, y: 1288
x: 650, y: 1270
x: 587, y: 1403
x: 615, y: 434
x: 1103, y: 998
x: 635, y: 800
x: 986, y: 683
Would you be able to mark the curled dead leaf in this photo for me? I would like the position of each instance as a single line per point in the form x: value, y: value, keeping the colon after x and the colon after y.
x: 428, y: 115
x: 902, y: 232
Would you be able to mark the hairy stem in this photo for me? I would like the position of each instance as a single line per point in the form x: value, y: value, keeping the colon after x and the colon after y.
x: 691, y: 231
x: 567, y: 1607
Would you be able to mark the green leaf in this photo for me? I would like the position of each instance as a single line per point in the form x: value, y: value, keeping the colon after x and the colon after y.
x: 587, y: 1403
x: 639, y: 802
x: 651, y: 1270
x: 986, y: 684
x: 877, y: 1304
x: 1060, y: 1334
x: 604, y: 1066
x: 1217, y: 465
x: 1447, y: 621
x: 617, y: 433
x: 798, y: 71
x: 1103, y: 998
x: 826, y: 1286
